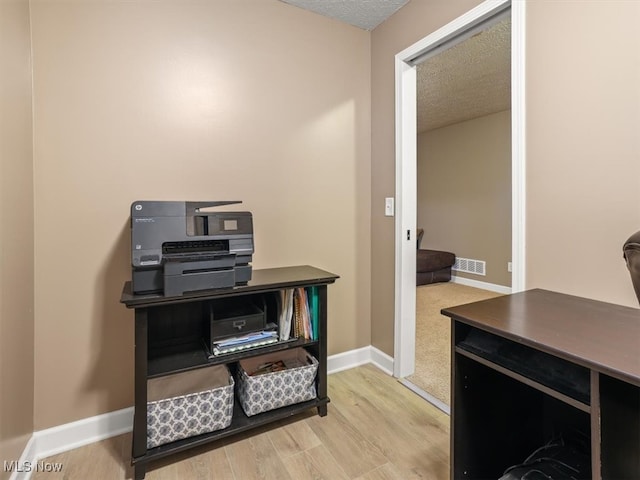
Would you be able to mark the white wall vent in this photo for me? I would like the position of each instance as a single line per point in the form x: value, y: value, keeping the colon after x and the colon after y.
x: 468, y: 265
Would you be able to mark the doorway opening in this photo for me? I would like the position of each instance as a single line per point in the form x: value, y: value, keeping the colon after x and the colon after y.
x: 473, y: 22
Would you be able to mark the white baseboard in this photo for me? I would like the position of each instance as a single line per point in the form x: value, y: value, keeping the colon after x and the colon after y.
x: 361, y: 356
x: 83, y: 432
x: 26, y: 459
x: 346, y: 360
x: 381, y: 360
x: 492, y: 287
x: 51, y: 441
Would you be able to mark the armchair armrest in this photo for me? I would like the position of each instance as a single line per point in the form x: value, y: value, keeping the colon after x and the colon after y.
x: 631, y: 254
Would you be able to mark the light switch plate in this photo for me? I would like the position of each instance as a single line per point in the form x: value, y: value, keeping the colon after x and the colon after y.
x: 388, y: 207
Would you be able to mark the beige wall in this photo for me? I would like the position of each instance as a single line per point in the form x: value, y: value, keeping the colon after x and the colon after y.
x: 583, y: 147
x: 16, y: 232
x: 411, y: 23
x: 583, y: 173
x: 294, y: 114
x: 464, y: 192
x: 253, y: 100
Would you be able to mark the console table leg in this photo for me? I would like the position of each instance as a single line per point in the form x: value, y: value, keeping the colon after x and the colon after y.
x: 139, y: 471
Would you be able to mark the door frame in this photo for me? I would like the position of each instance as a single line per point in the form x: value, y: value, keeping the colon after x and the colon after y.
x: 406, y: 162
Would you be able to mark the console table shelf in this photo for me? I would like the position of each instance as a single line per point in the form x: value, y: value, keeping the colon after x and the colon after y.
x: 170, y: 339
x: 185, y: 357
x: 534, y: 365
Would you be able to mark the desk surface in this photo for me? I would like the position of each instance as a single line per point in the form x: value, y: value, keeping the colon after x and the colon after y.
x: 601, y: 336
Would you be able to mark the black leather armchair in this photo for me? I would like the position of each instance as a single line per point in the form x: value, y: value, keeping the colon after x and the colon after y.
x: 432, y: 265
x: 631, y: 253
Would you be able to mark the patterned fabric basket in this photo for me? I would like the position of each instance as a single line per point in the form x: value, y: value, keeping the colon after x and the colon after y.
x: 197, y: 402
x: 268, y: 391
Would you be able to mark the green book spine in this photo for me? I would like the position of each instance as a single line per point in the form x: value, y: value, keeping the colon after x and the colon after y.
x: 314, y: 311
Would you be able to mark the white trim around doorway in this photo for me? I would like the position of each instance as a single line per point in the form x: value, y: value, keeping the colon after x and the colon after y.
x: 406, y: 139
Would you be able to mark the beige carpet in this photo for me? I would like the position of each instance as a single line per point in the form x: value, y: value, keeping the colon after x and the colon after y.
x: 433, y: 334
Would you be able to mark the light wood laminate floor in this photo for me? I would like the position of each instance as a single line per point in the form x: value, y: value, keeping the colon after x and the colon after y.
x: 376, y: 429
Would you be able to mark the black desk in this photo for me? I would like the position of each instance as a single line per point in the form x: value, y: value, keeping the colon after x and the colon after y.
x: 529, y: 365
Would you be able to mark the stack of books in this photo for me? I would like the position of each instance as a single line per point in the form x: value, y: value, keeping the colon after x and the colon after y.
x: 299, y: 311
x: 250, y: 340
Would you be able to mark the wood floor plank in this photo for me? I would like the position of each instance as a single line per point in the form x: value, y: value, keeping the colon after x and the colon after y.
x: 103, y: 462
x: 390, y: 471
x: 351, y: 449
x: 316, y: 463
x: 383, y: 397
x: 67, y: 468
x: 378, y: 395
x: 412, y: 439
x: 201, y: 464
x: 293, y: 438
x: 255, y: 458
x: 383, y: 391
x: 376, y: 429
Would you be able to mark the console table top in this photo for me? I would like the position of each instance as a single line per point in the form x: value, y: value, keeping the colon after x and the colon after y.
x: 261, y: 280
x: 601, y: 336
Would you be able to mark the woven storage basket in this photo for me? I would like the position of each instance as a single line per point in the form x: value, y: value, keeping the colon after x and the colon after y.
x: 189, y: 403
x: 268, y: 391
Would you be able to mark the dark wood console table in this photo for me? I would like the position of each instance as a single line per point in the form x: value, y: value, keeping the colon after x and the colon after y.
x: 168, y: 339
x: 532, y: 365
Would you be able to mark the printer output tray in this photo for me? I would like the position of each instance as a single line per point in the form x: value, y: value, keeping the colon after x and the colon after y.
x: 191, y: 273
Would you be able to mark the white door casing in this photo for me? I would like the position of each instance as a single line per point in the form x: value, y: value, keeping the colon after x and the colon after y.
x: 406, y: 161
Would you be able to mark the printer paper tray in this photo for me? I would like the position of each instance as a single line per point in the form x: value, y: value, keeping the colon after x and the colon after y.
x: 202, y: 280
x: 205, y: 280
x: 185, y: 266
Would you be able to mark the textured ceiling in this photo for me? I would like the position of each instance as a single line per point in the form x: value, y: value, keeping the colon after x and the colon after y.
x: 469, y: 80
x: 365, y: 14
x: 466, y: 81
